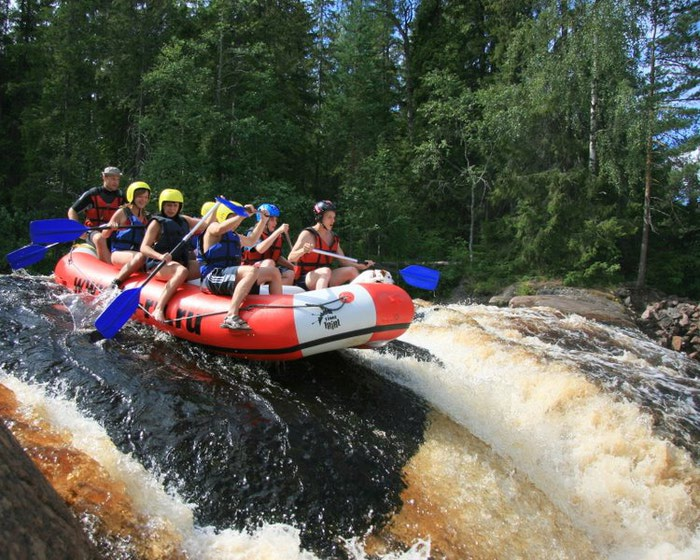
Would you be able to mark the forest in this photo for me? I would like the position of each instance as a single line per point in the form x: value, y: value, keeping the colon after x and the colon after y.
x: 496, y: 140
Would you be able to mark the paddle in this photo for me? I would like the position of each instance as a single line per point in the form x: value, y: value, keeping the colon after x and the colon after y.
x: 117, y: 313
x: 27, y: 255
x: 414, y: 275
x: 232, y: 205
x: 63, y: 229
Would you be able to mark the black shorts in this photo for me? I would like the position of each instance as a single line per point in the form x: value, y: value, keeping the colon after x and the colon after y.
x: 222, y: 282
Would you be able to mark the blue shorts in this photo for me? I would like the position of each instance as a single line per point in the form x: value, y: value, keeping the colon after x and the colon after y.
x: 302, y: 284
x: 222, y: 281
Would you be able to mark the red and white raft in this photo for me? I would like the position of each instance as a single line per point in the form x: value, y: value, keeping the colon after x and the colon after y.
x: 284, y: 327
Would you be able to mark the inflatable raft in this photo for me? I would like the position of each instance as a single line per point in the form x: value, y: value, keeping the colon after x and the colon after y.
x: 284, y: 327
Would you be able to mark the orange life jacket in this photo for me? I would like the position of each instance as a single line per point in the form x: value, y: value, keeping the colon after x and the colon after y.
x: 311, y: 261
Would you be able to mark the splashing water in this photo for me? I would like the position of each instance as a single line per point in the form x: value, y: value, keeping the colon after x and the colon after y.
x: 484, y: 433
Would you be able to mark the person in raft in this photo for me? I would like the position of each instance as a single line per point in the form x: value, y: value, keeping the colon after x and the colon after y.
x: 164, y: 232
x: 268, y: 251
x: 126, y: 243
x: 312, y: 270
x: 222, y: 273
x: 99, y: 205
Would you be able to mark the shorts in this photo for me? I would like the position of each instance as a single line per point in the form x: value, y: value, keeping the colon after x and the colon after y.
x: 222, y: 281
x: 302, y: 284
x: 152, y: 263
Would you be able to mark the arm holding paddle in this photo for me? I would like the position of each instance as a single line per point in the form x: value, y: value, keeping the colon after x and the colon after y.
x: 123, y: 307
x: 414, y: 274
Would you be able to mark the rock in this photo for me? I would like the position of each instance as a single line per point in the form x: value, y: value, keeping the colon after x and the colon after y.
x: 673, y: 323
x: 34, y: 521
x: 584, y: 304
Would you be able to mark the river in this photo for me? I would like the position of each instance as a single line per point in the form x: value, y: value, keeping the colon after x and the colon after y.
x: 483, y: 433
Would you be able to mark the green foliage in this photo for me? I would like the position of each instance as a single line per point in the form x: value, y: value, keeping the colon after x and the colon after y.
x: 507, y: 139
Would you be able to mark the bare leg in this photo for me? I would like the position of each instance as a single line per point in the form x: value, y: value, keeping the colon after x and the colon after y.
x: 271, y: 275
x: 101, y: 246
x: 176, y: 276
x: 288, y: 278
x: 318, y: 279
x: 343, y: 275
x: 245, y: 278
x: 135, y: 262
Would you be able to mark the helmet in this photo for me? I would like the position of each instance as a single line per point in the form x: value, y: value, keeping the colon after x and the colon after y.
x: 170, y: 195
x: 223, y: 211
x: 321, y: 207
x: 206, y: 207
x: 271, y: 209
x: 133, y: 187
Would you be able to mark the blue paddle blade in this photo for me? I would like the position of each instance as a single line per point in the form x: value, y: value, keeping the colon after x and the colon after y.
x: 117, y: 313
x: 420, y: 276
x: 233, y: 206
x: 55, y: 230
x: 26, y: 256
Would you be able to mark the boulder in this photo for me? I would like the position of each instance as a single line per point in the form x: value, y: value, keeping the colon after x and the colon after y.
x: 34, y: 521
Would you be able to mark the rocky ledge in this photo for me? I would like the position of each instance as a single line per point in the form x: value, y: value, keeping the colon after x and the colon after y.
x: 670, y: 321
x: 673, y: 323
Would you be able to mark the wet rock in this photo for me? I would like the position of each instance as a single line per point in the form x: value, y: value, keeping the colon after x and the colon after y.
x: 584, y: 303
x: 34, y: 521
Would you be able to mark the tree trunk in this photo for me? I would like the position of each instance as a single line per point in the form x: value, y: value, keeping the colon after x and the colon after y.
x: 646, y: 226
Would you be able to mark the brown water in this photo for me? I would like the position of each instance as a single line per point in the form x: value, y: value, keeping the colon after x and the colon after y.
x: 488, y: 434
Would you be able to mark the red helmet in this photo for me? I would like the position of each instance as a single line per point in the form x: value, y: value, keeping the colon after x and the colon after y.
x: 321, y: 207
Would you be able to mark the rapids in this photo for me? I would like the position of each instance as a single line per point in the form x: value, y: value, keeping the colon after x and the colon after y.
x: 484, y: 433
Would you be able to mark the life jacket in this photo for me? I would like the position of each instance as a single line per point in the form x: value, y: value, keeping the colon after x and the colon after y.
x: 251, y: 254
x: 101, y: 211
x: 311, y: 261
x: 129, y: 239
x: 172, y: 231
x: 224, y: 253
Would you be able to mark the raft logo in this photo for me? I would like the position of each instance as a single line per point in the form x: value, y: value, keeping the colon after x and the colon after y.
x: 329, y: 320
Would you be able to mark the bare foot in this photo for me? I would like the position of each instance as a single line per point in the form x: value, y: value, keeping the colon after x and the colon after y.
x: 158, y: 315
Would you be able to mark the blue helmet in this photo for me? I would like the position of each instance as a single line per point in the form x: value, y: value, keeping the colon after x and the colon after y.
x: 271, y: 209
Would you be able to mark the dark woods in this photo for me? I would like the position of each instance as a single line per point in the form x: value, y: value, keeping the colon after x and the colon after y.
x: 510, y: 139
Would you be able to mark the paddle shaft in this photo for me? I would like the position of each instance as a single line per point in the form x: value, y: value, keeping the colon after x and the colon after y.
x: 338, y: 256
x: 414, y: 275
x: 184, y: 240
x: 117, y: 313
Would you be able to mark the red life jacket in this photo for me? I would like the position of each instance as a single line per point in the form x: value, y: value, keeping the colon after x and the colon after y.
x: 311, y: 261
x: 101, y: 211
x: 251, y: 255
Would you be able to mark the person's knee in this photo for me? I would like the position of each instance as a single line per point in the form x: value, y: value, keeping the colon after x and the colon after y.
x: 248, y: 272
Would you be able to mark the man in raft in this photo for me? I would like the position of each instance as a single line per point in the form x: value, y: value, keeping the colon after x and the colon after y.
x: 99, y: 205
x: 312, y: 270
x: 221, y: 270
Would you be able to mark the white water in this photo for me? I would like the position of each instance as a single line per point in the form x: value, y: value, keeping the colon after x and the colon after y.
x: 593, y: 455
x: 167, y: 513
x: 525, y: 456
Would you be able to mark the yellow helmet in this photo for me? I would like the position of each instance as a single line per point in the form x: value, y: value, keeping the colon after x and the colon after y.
x: 170, y: 195
x: 223, y: 211
x: 133, y: 187
x: 206, y: 207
